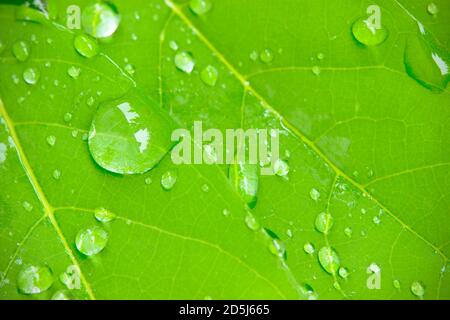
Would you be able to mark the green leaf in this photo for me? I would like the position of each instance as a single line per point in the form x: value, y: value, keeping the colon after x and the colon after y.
x: 363, y: 140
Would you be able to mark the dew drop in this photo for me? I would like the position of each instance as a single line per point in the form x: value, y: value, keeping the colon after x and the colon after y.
x: 329, y: 260
x: 74, y: 72
x: 314, y: 194
x: 27, y: 206
x: 368, y: 34
x: 348, y: 232
x: 34, y: 279
x: 168, y: 179
x: 31, y: 75
x: 200, y: 7
x: 173, y: 45
x: 90, y: 101
x: 426, y: 61
x: 56, y: 174
x: 104, y: 215
x: 184, y: 61
x: 396, y: 284
x: 308, y: 292
x: 86, y: 46
x: 309, y: 248
x: 100, y: 20
x: 316, y: 70
x: 91, y: 241
x: 67, y: 117
x: 21, y: 51
x: 251, y: 222
x: 281, y: 168
x: 209, y: 75
x: 432, y: 9
x: 205, y: 188
x: 61, y: 295
x: 245, y: 179
x: 324, y: 222
x: 136, y: 142
x: 343, y: 272
x: 266, y: 55
x: 51, y: 140
x: 278, y: 248
x: 129, y: 68
x: 253, y: 55
x: 226, y: 212
x: 417, y: 289
x: 148, y: 181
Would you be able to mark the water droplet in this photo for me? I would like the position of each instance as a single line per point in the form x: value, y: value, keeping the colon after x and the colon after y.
x: 67, y: 117
x: 31, y: 75
x: 314, y: 194
x: 417, y: 289
x: 281, y: 168
x: 104, y: 215
x: 61, y: 295
x: 426, y: 61
x: 320, y: 56
x: 348, y: 232
x: 432, y: 9
x: 148, y: 181
x: 34, y: 279
x: 90, y: 101
x: 136, y: 142
x: 396, y: 284
x: 245, y: 179
x: 251, y: 222
x: 200, y: 7
x: 309, y: 248
x: 56, y: 174
x: 71, y: 278
x: 173, y: 45
x: 309, y: 292
x: 91, y: 241
x: 100, y: 20
x: 343, y: 272
x: 209, y: 75
x: 27, y: 206
x: 324, y: 222
x: 21, y: 51
x: 226, y: 212
x: 168, y: 179
x: 129, y: 68
x: 329, y: 260
x: 253, y: 55
x: 51, y: 140
x: 184, y: 61
x: 266, y: 55
x: 278, y: 248
x: 74, y: 72
x: 86, y: 46
x: 205, y: 188
x: 289, y: 233
x: 376, y: 220
x: 316, y: 70
x: 367, y: 33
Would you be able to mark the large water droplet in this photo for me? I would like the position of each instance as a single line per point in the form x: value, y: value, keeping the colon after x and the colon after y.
x: 91, y: 241
x: 324, y: 222
x: 104, y: 215
x: 129, y: 135
x: 168, y: 179
x: 209, y: 75
x: 86, y: 46
x: 184, y: 61
x: 200, y: 7
x: 367, y: 33
x: 426, y: 61
x: 100, y: 20
x: 417, y: 289
x: 21, y: 50
x: 245, y: 179
x: 329, y: 260
x: 31, y: 75
x: 34, y: 279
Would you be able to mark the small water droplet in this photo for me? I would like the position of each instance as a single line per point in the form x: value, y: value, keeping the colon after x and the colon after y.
x: 61, y: 295
x: 31, y: 75
x: 205, y: 188
x: 396, y: 284
x: 329, y: 260
x: 320, y: 56
x: 432, y: 9
x: 281, y: 168
x: 343, y: 272
x: 67, y: 117
x: 324, y: 222
x: 226, y: 212
x: 56, y: 174
x: 129, y: 68
x: 100, y: 20
x: 91, y: 241
x: 184, y: 61
x: 348, y: 232
x: 34, y: 279
x: 200, y: 7
x: 251, y: 222
x: 309, y: 248
x: 209, y: 75
x: 316, y: 70
x: 376, y: 220
x: 148, y: 181
x: 27, y: 206
x: 86, y: 46
x: 245, y: 179
x: 314, y: 194
x: 366, y: 33
x: 278, y: 248
x: 73, y: 72
x: 168, y: 179
x: 21, y: 51
x: 104, y: 215
x: 173, y: 45
x: 51, y: 140
x: 266, y: 55
x: 253, y: 55
x: 417, y: 289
